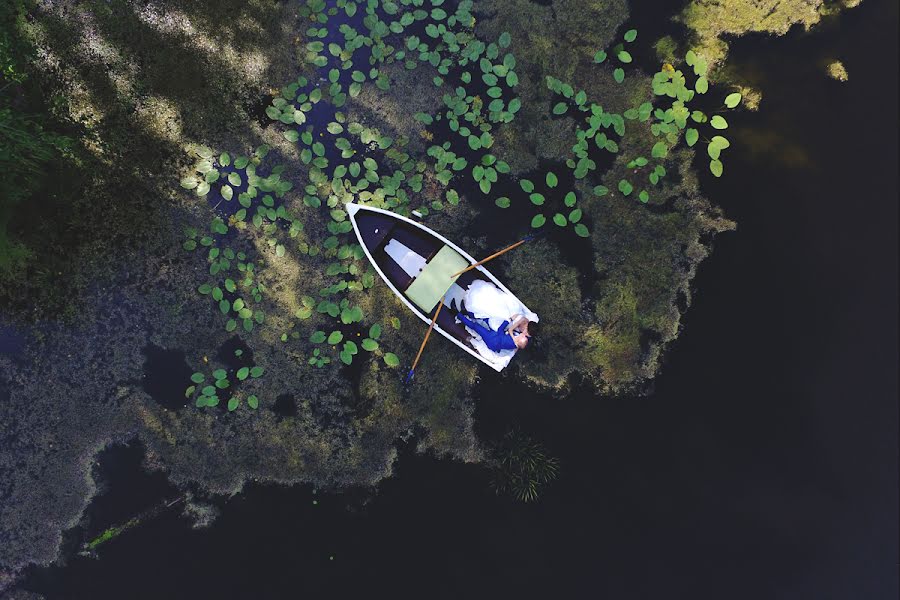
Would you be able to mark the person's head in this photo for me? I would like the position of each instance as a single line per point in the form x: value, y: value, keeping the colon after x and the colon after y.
x: 522, y: 332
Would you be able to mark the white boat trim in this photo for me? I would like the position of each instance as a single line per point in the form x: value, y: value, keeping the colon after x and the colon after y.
x: 352, y: 208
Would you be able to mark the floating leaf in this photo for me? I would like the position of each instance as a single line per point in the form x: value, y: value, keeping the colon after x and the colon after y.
x: 601, y: 190
x: 559, y: 219
x: 720, y: 142
x: 369, y: 345
x: 660, y: 150
x: 198, y: 377
x: 732, y: 100
x: 619, y: 75
x: 552, y: 181
x: 504, y: 40
x: 242, y: 373
x: 716, y: 168
x: 600, y: 56
x: 253, y: 402
x: 335, y: 337
x: 702, y: 85
x: 537, y: 199
x: 233, y: 403
x: 538, y: 221
x: 718, y: 122
x: 570, y: 199
x: 502, y: 202
x: 560, y: 108
x: 625, y: 187
x: 526, y: 185
x: 624, y: 56
x: 691, y: 136
x: 318, y: 337
x: 631, y: 35
x: 256, y: 372
x: 644, y: 196
x: 391, y: 359
x: 575, y: 216
x: 581, y: 230
x: 291, y: 135
x: 375, y: 331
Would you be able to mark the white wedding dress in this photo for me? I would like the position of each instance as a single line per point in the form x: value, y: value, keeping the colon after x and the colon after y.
x: 486, y: 301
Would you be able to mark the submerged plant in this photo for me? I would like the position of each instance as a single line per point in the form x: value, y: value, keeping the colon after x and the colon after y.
x: 521, y: 467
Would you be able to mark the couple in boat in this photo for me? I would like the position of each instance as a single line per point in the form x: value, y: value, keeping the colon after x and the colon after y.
x: 497, y: 317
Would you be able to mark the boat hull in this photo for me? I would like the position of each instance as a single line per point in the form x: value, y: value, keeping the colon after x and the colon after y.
x: 415, y: 263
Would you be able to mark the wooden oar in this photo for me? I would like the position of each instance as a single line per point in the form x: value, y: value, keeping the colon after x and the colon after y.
x: 412, y: 371
x: 527, y: 238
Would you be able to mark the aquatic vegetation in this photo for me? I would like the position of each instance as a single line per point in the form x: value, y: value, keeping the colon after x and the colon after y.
x: 521, y: 467
x: 89, y: 548
x: 712, y: 22
x: 288, y: 271
x: 208, y: 395
x: 837, y: 71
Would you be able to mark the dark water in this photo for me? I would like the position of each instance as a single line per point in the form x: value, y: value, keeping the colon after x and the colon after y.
x: 764, y: 465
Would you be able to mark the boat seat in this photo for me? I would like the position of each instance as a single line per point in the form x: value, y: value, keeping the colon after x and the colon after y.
x: 435, y: 278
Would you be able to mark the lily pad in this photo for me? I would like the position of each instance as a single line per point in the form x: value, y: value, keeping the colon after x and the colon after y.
x: 732, y: 100
x: 552, y: 180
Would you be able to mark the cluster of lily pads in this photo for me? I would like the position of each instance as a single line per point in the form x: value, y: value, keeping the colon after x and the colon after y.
x: 606, y: 129
x: 235, y: 288
x: 207, y: 394
x: 470, y: 118
x: 373, y: 26
x: 349, y: 349
x: 672, y: 83
x: 573, y: 213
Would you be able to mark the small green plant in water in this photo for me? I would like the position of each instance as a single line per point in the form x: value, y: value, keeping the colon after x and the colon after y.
x: 521, y: 467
